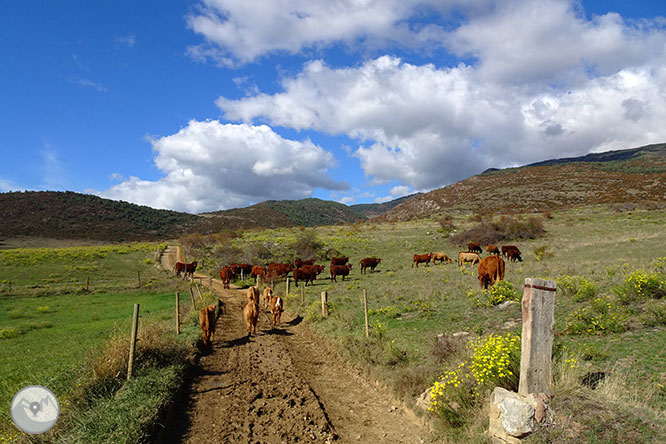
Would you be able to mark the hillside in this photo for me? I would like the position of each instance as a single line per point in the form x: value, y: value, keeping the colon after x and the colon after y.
x: 69, y: 215
x: 635, y: 176
x: 372, y: 210
x: 283, y: 213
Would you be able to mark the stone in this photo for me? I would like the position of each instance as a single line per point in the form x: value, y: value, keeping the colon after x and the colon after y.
x: 424, y: 401
x: 511, y: 416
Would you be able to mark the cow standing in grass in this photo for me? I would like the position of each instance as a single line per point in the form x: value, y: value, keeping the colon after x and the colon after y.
x: 491, y: 270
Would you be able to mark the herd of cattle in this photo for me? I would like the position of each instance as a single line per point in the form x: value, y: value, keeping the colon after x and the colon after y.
x: 490, y: 270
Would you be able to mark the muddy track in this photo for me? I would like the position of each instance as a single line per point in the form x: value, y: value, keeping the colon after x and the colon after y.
x: 281, y: 386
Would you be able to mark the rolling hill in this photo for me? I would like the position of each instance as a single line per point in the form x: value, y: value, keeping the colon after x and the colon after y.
x: 635, y: 176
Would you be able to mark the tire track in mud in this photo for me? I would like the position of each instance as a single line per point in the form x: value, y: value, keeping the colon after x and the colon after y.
x: 281, y: 386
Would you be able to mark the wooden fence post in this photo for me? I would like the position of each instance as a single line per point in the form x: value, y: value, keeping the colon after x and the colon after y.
x: 324, y: 304
x: 286, y: 293
x: 210, y: 285
x: 194, y: 305
x: 88, y: 283
x: 135, y: 327
x: 177, y: 313
x: 302, y: 293
x: 537, y: 337
x: 138, y: 275
x: 365, y: 310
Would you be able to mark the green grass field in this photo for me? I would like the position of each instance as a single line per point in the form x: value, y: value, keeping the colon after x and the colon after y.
x: 53, y: 333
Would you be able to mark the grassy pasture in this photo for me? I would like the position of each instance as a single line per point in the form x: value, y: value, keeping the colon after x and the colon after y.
x: 52, y: 331
x: 410, y: 306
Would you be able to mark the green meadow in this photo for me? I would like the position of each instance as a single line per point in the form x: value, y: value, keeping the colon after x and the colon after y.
x: 55, y: 332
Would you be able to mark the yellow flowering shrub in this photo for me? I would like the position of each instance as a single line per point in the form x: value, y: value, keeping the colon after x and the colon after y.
x: 603, y: 316
x: 493, y: 361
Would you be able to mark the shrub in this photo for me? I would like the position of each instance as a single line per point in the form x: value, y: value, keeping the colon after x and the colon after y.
x: 640, y: 284
x: 603, y: 316
x: 488, y: 232
x: 577, y: 286
x: 494, y: 361
x: 542, y: 252
x: 655, y: 314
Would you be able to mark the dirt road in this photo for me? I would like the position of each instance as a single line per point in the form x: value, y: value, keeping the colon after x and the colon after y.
x: 282, y: 386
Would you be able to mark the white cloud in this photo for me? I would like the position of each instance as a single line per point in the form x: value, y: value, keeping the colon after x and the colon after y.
x: 240, y: 32
x: 545, y: 83
x: 86, y: 83
x: 53, y: 171
x: 210, y: 166
x: 128, y: 40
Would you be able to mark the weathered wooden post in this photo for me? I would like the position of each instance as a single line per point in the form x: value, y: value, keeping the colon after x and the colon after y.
x: 302, y: 293
x: 365, y: 309
x: 138, y: 276
x: 537, y: 336
x: 177, y: 313
x: 88, y: 283
x: 194, y: 305
x: 135, y: 327
x: 256, y: 281
x: 286, y: 293
x: 324, y: 304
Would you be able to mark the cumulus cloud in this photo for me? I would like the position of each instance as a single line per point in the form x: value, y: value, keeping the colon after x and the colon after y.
x: 240, y: 32
x: 209, y: 166
x: 542, y: 82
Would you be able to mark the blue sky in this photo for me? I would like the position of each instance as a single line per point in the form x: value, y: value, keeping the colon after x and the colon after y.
x: 205, y: 105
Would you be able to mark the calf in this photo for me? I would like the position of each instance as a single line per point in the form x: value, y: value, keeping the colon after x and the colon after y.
x: 251, y: 311
x: 514, y: 255
x: 277, y: 307
x: 419, y: 258
x: 207, y: 322
x: 226, y: 275
x: 466, y: 256
x: 441, y: 257
x: 340, y: 270
x: 369, y: 262
x: 491, y: 270
x: 268, y: 294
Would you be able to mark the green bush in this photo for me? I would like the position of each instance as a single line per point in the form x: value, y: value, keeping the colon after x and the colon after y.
x: 602, y: 317
x: 578, y: 287
x: 640, y: 285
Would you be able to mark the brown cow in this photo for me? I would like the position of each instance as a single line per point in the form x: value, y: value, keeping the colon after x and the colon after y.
x: 298, y: 263
x: 340, y: 270
x: 514, y: 255
x: 306, y: 274
x: 370, y: 262
x: 466, y: 256
x: 507, y: 248
x: 251, y: 311
x: 226, y: 275
x: 207, y: 322
x: 279, y: 270
x: 492, y: 249
x: 491, y: 270
x: 190, y: 269
x: 179, y: 267
x: 339, y: 260
x: 441, y: 257
x: 258, y: 270
x: 474, y: 247
x: 277, y: 307
x: 418, y: 258
x: 245, y: 269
